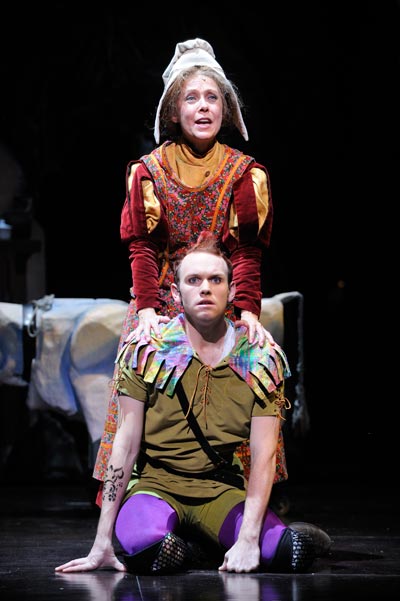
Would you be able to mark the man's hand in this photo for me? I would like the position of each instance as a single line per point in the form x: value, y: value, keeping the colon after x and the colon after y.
x: 243, y: 556
x: 99, y: 557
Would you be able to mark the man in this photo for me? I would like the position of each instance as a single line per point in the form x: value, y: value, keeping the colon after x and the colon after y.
x: 162, y: 479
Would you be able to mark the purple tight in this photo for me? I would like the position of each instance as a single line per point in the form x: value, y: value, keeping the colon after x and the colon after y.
x: 270, y: 534
x: 145, y: 519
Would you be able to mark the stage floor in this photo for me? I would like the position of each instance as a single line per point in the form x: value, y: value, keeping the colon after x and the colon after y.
x: 43, y: 526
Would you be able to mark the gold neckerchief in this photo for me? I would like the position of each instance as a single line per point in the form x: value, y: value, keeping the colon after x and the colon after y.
x: 193, y: 170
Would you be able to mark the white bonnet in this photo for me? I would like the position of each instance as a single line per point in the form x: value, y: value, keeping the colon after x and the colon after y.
x: 188, y: 54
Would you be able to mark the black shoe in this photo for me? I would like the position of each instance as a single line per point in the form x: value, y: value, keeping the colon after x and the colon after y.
x: 295, y: 553
x: 322, y: 541
x: 164, y: 557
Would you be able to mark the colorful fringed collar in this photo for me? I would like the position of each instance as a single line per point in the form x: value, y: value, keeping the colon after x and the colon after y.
x: 164, y: 360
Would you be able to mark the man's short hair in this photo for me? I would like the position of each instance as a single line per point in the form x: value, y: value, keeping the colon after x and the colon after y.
x: 206, y: 243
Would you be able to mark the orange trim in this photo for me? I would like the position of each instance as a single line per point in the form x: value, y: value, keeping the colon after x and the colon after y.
x: 158, y: 166
x: 224, y: 187
x: 164, y: 269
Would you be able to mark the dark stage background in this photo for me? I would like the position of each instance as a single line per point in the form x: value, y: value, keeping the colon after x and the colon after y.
x: 80, y: 83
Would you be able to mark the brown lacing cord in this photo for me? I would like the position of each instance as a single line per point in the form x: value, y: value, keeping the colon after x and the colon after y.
x: 204, y: 391
x: 282, y: 403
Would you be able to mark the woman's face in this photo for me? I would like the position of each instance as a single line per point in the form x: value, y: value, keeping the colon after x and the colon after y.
x: 200, y: 109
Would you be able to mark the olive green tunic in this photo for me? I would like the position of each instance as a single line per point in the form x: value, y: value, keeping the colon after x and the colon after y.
x: 220, y: 398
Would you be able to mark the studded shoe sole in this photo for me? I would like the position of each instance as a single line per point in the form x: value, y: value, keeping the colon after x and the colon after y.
x: 295, y: 553
x: 171, y: 555
x: 165, y: 556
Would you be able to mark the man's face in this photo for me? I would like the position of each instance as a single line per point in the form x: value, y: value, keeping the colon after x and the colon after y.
x: 203, y: 289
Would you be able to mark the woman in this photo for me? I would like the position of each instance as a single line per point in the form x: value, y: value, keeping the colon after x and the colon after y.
x: 190, y: 183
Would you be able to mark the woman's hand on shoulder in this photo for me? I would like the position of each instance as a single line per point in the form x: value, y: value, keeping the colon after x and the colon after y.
x: 254, y: 327
x: 149, y: 322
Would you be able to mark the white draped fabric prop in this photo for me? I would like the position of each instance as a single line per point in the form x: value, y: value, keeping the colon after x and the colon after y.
x: 76, y: 344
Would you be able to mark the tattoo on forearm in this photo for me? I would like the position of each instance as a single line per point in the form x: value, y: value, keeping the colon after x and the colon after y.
x: 112, y: 482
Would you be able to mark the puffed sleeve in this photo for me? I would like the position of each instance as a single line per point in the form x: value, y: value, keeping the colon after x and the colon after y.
x: 263, y: 205
x: 143, y: 230
x: 247, y: 233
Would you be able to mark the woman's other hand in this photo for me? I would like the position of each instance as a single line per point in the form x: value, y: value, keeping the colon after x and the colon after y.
x: 149, y: 322
x: 254, y: 327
